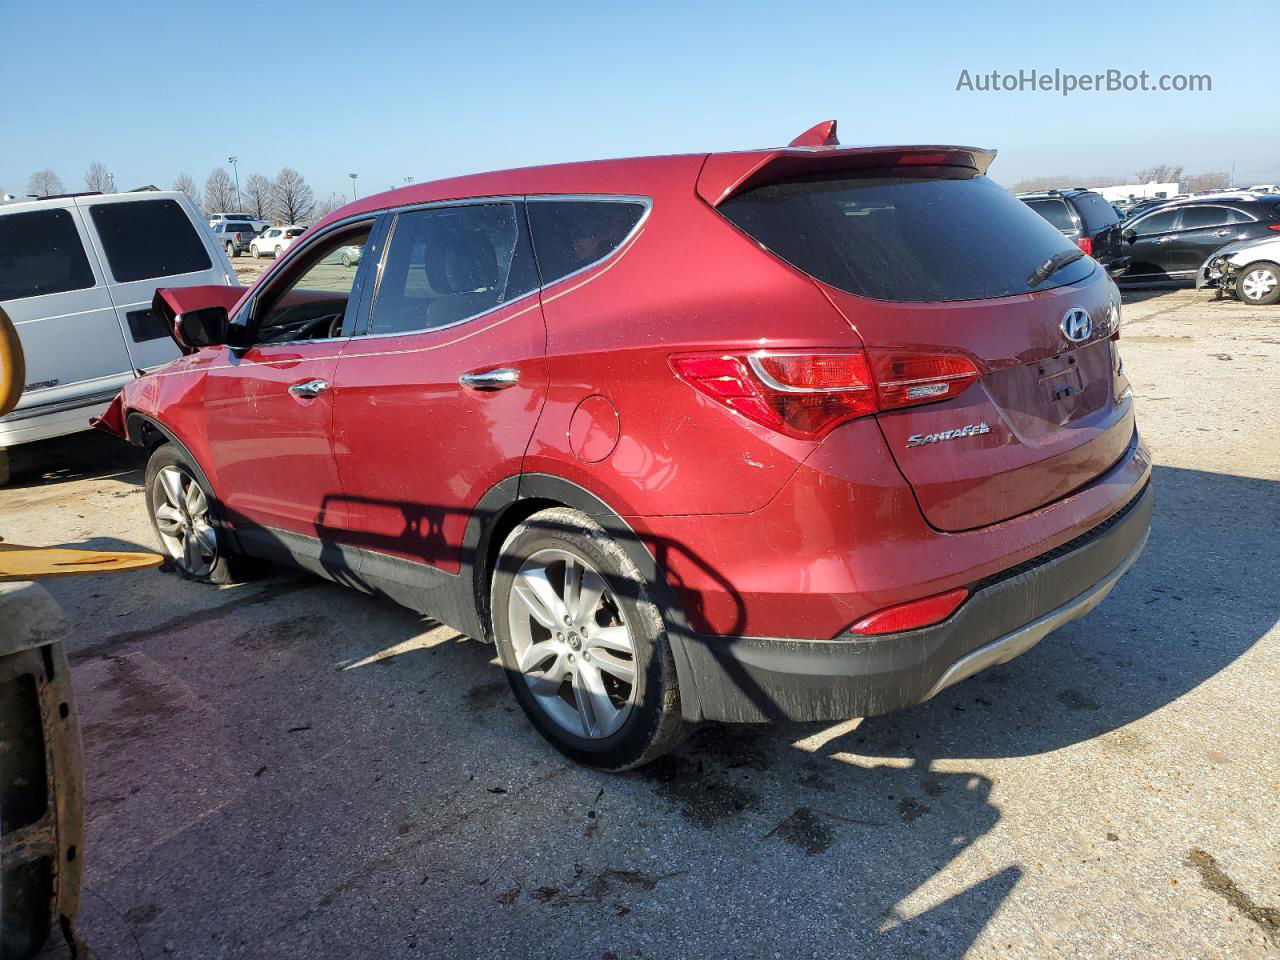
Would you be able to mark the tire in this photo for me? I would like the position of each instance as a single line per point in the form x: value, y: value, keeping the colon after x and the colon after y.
x: 257, y: 253
x: 1258, y: 284
x: 346, y: 259
x: 186, y: 524
x: 279, y: 250
x: 231, y: 250
x: 573, y: 689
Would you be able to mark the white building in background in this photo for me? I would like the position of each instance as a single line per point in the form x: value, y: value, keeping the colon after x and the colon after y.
x: 1141, y: 191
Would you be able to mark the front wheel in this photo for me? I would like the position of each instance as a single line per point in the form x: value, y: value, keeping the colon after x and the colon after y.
x: 583, y: 644
x: 231, y: 251
x: 1259, y: 284
x: 257, y: 254
x: 184, y: 518
x: 279, y: 250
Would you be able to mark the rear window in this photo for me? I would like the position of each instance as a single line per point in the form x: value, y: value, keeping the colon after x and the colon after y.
x: 1097, y: 213
x: 571, y: 234
x: 295, y: 233
x: 41, y: 253
x: 1056, y: 212
x: 148, y: 238
x: 957, y: 236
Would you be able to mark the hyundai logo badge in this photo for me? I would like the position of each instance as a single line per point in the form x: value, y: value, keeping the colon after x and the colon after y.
x: 1077, y: 325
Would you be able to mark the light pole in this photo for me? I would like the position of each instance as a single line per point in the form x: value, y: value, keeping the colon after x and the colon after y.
x: 234, y: 161
x: 353, y: 184
x: 408, y: 181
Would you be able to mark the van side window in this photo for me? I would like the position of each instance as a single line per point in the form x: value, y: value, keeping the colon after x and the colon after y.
x: 41, y: 253
x: 571, y: 234
x: 148, y: 238
x: 446, y: 264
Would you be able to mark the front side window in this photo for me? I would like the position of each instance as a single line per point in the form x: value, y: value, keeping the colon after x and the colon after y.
x: 571, y: 234
x: 148, y: 238
x: 446, y: 264
x: 310, y: 301
x: 41, y: 253
x: 1156, y: 223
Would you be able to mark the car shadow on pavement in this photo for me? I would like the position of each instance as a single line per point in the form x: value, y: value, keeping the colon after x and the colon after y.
x: 88, y: 455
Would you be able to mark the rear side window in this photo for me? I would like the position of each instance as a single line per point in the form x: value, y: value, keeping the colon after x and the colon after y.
x: 1056, y: 212
x: 446, y: 264
x: 954, y: 236
x: 41, y: 253
x: 1097, y: 213
x: 148, y: 238
x: 571, y: 234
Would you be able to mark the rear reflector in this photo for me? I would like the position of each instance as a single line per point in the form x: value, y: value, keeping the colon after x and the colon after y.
x: 911, y: 616
x: 807, y: 394
x: 1086, y: 244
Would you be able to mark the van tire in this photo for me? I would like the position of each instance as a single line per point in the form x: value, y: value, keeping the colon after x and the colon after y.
x: 648, y: 723
x: 226, y: 565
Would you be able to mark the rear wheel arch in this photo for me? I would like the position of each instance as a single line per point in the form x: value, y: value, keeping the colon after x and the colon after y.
x: 514, y: 500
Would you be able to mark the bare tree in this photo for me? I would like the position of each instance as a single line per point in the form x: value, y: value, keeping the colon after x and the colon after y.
x: 219, y: 192
x: 99, y: 178
x: 45, y: 183
x: 188, y: 186
x: 294, y: 199
x: 326, y: 207
x: 1162, y: 173
x: 1208, y: 181
x: 259, y: 196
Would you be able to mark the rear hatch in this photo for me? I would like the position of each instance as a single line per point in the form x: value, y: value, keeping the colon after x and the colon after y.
x: 1101, y: 224
x: 939, y: 261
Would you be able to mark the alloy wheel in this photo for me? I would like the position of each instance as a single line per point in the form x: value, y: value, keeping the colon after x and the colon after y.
x: 572, y: 644
x: 182, y: 519
x: 1258, y: 283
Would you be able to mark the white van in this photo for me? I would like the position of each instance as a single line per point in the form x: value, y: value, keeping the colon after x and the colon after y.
x: 77, y: 275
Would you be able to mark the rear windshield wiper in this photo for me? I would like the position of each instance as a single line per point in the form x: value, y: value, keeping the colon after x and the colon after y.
x: 1051, y: 266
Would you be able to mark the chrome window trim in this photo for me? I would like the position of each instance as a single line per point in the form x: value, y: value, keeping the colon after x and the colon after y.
x: 646, y: 202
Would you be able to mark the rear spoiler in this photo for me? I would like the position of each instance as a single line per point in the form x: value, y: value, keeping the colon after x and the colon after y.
x: 817, y: 151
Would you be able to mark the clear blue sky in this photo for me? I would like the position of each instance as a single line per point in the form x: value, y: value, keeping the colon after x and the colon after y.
x: 390, y: 90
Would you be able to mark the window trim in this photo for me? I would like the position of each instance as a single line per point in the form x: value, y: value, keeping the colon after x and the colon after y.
x: 384, y: 228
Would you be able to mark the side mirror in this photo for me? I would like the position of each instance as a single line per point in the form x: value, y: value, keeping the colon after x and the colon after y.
x: 1129, y: 235
x: 206, y: 327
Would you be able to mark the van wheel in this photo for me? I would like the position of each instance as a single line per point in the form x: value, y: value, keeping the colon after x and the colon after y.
x: 1259, y: 284
x: 184, y: 516
x: 582, y: 643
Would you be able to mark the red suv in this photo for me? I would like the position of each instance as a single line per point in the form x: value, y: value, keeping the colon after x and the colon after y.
x: 811, y: 432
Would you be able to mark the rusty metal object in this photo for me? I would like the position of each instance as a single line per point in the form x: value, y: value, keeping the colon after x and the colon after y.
x: 13, y: 367
x: 41, y: 775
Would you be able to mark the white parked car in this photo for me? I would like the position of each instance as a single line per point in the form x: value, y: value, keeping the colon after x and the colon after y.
x: 258, y: 223
x: 1265, y: 188
x: 77, y: 276
x: 274, y: 241
x: 1249, y: 269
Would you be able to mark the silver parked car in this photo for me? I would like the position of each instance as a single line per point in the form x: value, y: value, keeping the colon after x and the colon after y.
x: 77, y: 276
x: 1248, y: 269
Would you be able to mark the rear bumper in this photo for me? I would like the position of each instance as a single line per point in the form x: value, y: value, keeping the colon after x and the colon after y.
x: 759, y: 678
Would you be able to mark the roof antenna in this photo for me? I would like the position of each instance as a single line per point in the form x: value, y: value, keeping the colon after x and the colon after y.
x: 819, y: 135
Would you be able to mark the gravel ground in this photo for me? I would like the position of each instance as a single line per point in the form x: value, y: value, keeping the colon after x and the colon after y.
x: 287, y: 769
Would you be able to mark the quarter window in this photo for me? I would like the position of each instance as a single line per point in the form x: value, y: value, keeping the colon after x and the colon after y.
x: 148, y: 238
x: 571, y: 234
x: 41, y: 253
x: 1056, y: 212
x: 446, y: 264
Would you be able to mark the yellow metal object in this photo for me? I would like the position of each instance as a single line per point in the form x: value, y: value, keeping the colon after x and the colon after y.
x: 13, y: 367
x: 36, y: 563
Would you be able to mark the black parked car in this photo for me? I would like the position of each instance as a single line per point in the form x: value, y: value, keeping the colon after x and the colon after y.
x: 1171, y: 241
x: 1087, y: 220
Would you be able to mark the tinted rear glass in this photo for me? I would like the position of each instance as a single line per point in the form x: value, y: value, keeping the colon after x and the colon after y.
x: 40, y: 253
x: 148, y: 238
x: 1056, y: 212
x: 1097, y: 213
x: 954, y: 237
x: 571, y: 234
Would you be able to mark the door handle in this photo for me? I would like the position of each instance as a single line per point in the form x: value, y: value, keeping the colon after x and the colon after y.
x: 1164, y: 239
x: 312, y: 388
x: 1222, y: 233
x: 491, y: 379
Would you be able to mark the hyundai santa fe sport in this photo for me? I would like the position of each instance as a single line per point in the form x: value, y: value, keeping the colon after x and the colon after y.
x: 811, y: 432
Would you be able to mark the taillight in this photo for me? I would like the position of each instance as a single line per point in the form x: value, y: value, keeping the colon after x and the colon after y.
x: 911, y: 616
x: 807, y: 394
x: 1274, y: 227
x: 1086, y: 244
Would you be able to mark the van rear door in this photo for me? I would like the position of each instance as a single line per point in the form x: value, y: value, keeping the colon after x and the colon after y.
x: 147, y: 243
x: 54, y: 290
